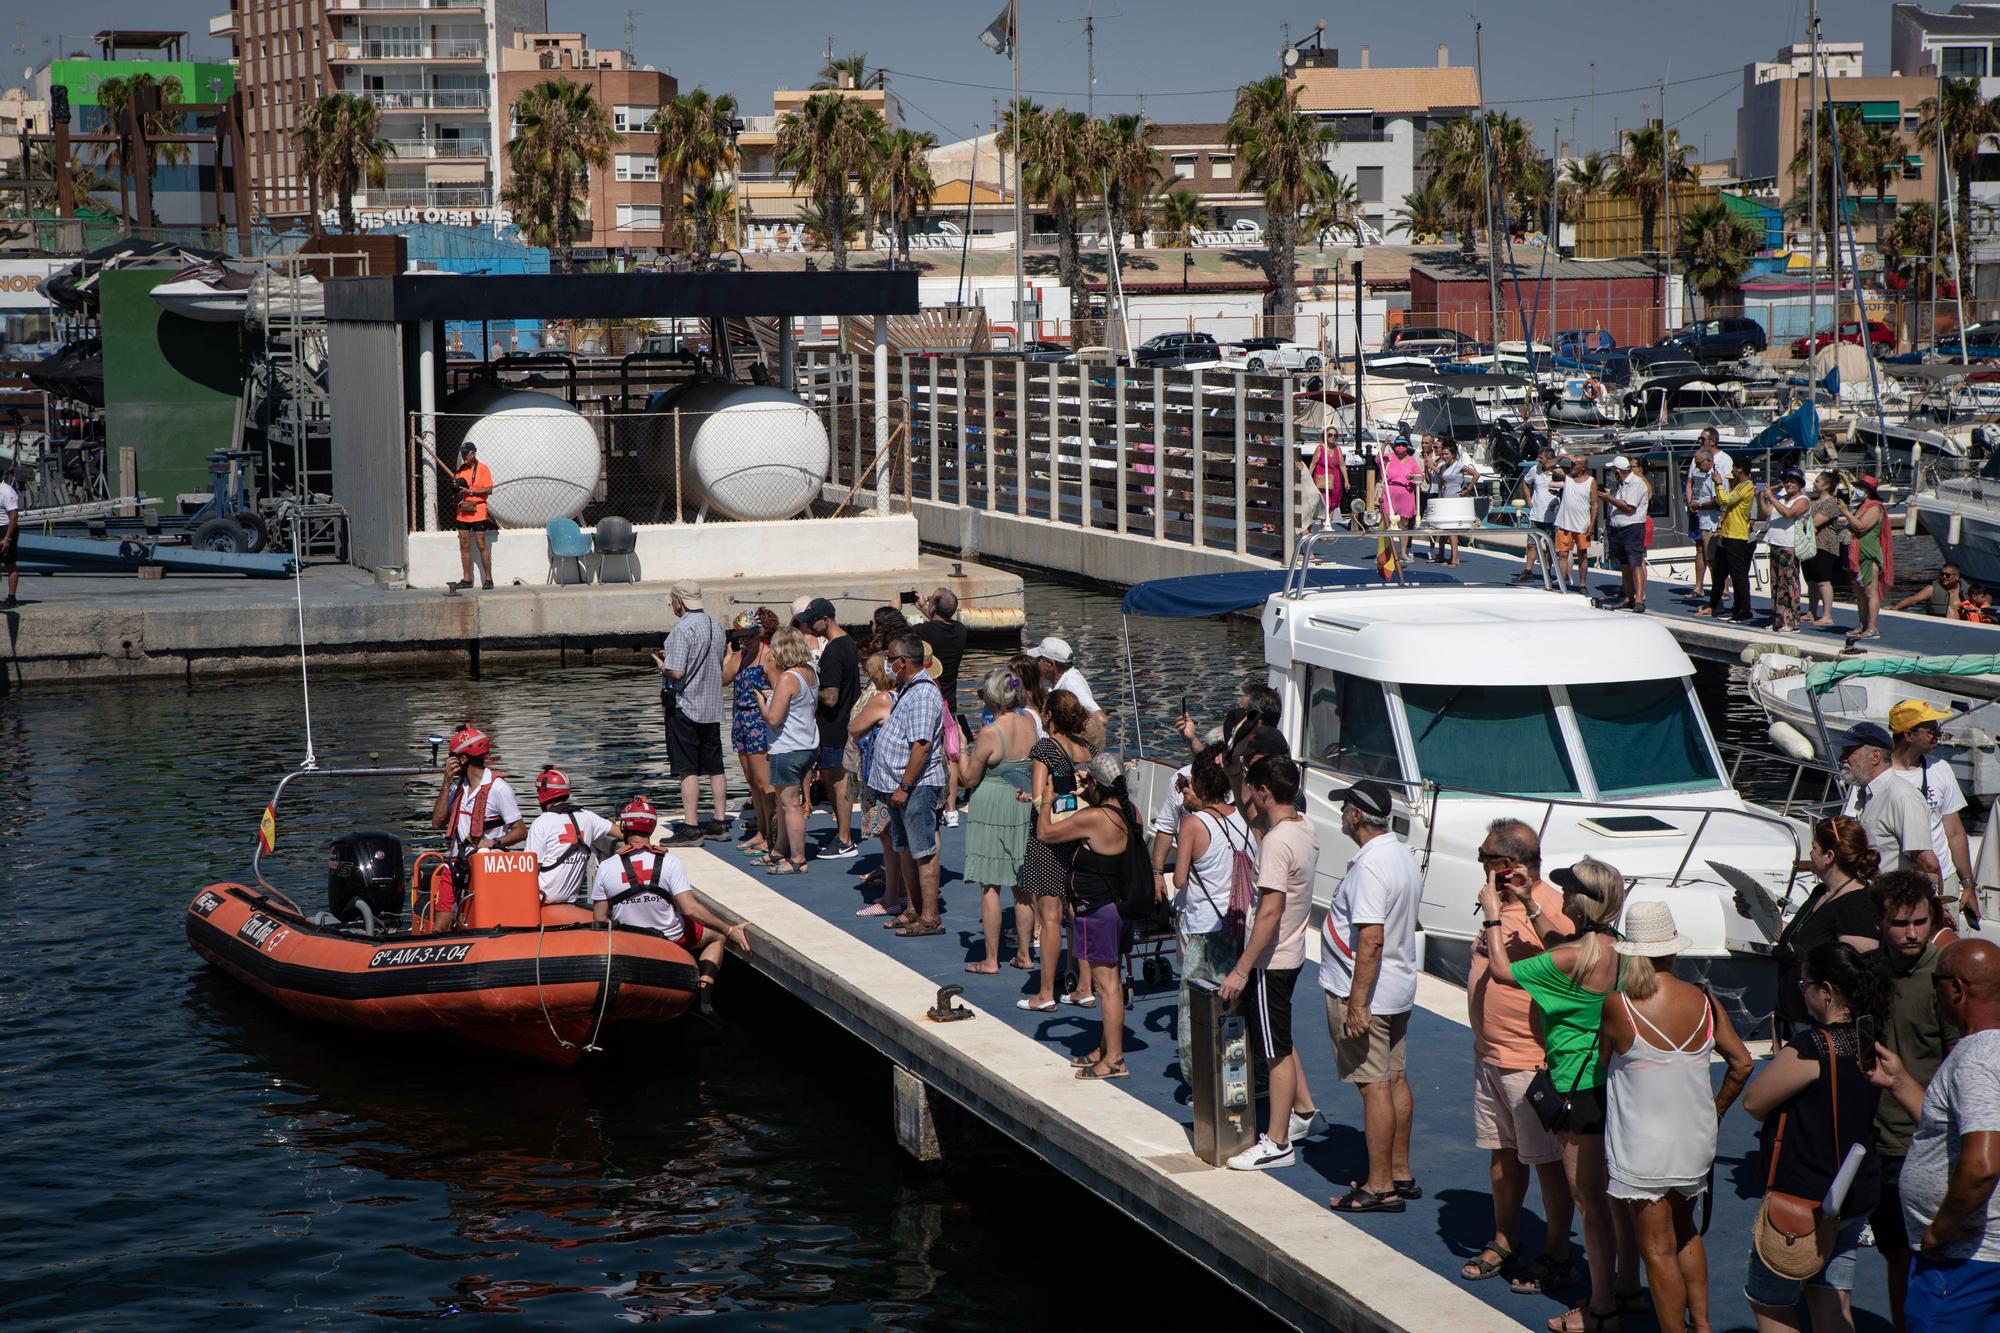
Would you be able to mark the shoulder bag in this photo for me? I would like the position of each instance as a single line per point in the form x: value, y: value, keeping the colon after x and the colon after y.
x: 1791, y: 1235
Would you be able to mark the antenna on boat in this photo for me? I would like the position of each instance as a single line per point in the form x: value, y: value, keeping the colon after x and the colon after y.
x: 305, y: 679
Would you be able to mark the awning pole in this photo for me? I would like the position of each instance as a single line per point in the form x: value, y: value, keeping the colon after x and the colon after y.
x: 1132, y: 680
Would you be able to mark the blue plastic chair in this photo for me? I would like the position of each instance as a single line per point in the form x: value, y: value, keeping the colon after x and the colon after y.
x: 569, y: 552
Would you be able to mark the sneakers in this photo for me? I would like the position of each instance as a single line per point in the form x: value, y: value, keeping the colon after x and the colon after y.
x: 1263, y: 1155
x: 837, y: 851
x: 951, y: 819
x: 685, y: 835
x: 1526, y: 576
x: 1307, y: 1127
x: 716, y: 830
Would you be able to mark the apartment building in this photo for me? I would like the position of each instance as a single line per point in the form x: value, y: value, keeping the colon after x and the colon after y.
x: 768, y: 199
x: 432, y: 66
x: 1960, y: 43
x: 627, y: 209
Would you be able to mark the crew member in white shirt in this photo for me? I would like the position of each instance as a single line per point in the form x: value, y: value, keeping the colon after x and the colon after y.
x: 475, y: 808
x: 562, y: 838
x: 643, y: 887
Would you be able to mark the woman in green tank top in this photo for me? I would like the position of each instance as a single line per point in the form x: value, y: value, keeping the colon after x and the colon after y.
x: 1569, y: 984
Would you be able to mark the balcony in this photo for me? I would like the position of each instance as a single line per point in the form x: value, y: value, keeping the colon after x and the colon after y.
x: 437, y: 196
x: 412, y: 150
x: 350, y: 6
x: 425, y: 99
x: 408, y: 49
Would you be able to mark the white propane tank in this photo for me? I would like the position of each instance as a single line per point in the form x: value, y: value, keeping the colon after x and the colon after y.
x: 750, y: 452
x: 545, y: 457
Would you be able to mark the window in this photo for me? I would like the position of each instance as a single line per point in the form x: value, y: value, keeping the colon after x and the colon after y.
x: 1642, y: 736
x: 1963, y: 62
x: 1368, y: 184
x: 632, y: 119
x: 1913, y: 167
x: 637, y: 167
x: 1486, y: 738
x: 638, y: 217
x: 1348, y: 727
x: 1184, y: 166
x: 1222, y: 166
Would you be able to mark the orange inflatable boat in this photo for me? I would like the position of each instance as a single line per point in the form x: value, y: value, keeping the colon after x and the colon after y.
x: 482, y: 958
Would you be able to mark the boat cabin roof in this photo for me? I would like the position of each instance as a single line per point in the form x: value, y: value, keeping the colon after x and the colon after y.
x: 1468, y: 636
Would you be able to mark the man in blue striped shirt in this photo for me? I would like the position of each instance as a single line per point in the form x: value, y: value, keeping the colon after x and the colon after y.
x: 907, y: 771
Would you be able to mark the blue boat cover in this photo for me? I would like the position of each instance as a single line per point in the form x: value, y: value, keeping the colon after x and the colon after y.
x: 1196, y: 595
x: 1800, y: 426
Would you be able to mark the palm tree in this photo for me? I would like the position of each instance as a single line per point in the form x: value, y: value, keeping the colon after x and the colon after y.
x: 1882, y: 154
x: 1962, y: 125
x: 1128, y: 169
x: 114, y: 97
x: 1846, y: 123
x: 1590, y: 174
x: 1057, y: 172
x: 696, y: 145
x: 1643, y: 171
x: 1284, y: 156
x: 1454, y: 165
x: 1424, y: 212
x: 825, y: 142
x: 563, y: 132
x: 340, y: 147
x: 830, y: 231
x: 903, y: 188
x: 1177, y: 216
x: 1338, y: 209
x: 83, y: 181
x: 853, y: 67
x: 1715, y: 249
x: 1906, y: 246
x: 710, y: 209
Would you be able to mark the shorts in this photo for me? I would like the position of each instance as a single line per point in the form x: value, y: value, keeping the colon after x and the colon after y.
x: 1546, y: 526
x: 833, y: 763
x: 1628, y: 544
x: 1892, y: 1232
x: 691, y: 934
x: 1619, y: 1189
x: 475, y: 524
x: 1503, y: 1119
x: 1567, y: 541
x: 790, y: 767
x: 694, y: 749
x: 1101, y: 936
x: 1960, y: 1297
x: 1376, y: 1055
x: 1763, y: 1287
x: 1271, y: 1010
x: 914, y: 828
x: 10, y: 553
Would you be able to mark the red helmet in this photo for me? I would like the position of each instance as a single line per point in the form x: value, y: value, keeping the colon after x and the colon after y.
x: 638, y: 816
x: 472, y: 742
x: 551, y: 784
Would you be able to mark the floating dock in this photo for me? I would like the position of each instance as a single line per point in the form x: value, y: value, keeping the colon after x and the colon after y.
x: 1269, y: 1234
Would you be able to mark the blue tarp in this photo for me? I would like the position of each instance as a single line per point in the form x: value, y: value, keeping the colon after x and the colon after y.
x: 1800, y: 426
x: 1197, y: 595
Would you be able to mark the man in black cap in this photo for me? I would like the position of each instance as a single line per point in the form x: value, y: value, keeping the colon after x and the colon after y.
x: 1892, y: 812
x: 839, y: 686
x: 1368, y: 966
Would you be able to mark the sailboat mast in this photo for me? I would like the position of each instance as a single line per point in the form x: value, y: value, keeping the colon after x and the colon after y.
x: 1666, y: 206
x: 1812, y: 206
x: 1486, y: 156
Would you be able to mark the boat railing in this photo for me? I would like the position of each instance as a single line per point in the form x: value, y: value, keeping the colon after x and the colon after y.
x: 1828, y: 801
x: 1298, y: 574
x: 278, y: 794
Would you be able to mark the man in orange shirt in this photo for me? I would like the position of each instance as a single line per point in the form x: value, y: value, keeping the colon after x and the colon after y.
x: 1507, y: 1053
x: 473, y: 483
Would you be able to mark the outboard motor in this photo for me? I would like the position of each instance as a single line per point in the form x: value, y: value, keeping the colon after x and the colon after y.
x: 364, y: 867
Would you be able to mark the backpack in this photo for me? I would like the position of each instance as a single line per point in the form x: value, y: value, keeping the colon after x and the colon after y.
x: 1138, y: 888
x: 1242, y: 884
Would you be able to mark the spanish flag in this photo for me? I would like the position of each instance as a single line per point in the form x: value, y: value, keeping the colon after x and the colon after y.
x: 267, y: 831
x: 1386, y: 564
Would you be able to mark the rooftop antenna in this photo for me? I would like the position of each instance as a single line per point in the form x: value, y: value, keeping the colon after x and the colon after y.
x: 631, y: 37
x: 1089, y: 22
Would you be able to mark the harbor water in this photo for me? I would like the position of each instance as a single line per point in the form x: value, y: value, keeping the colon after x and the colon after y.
x: 177, y: 1154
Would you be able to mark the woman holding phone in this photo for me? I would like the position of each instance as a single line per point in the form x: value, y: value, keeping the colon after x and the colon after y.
x: 1044, y: 868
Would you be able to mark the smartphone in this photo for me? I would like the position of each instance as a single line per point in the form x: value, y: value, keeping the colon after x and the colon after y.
x: 1864, y: 1043
x: 1184, y: 712
x: 1064, y: 804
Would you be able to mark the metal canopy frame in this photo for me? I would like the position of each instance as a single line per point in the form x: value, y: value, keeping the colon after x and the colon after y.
x: 423, y: 297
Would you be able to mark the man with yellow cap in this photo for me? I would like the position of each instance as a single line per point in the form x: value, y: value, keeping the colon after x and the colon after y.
x: 1917, y: 727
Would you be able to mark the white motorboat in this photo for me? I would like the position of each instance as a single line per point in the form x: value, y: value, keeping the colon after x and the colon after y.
x: 211, y: 292
x: 1808, y: 696
x: 1474, y: 703
x: 1962, y: 514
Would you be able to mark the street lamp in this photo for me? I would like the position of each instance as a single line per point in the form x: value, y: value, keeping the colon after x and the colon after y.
x: 1187, y: 263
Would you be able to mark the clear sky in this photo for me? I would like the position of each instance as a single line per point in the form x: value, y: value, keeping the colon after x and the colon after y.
x: 1185, y: 55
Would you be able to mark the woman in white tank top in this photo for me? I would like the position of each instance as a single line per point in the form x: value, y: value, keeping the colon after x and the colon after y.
x: 1661, y: 1113
x: 788, y: 712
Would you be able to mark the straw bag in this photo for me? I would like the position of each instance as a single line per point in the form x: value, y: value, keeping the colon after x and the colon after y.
x: 1791, y: 1235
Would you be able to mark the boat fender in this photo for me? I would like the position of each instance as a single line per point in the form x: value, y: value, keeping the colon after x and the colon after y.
x: 1952, y: 534
x: 1791, y: 742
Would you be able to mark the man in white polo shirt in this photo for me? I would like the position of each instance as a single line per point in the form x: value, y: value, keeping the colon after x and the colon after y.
x: 1368, y: 966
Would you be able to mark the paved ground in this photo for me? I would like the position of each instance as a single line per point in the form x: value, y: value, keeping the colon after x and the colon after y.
x: 1453, y: 1219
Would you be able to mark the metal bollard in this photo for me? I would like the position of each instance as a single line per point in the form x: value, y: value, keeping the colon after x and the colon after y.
x: 1225, y: 1114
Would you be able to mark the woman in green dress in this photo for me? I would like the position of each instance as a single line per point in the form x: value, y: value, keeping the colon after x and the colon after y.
x: 997, y: 769
x: 1569, y: 984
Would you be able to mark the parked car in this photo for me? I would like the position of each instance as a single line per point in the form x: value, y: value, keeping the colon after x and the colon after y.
x: 1724, y: 339
x: 1425, y: 334
x: 1982, y: 343
x: 1271, y: 354
x: 1177, y: 349
x: 1879, y: 335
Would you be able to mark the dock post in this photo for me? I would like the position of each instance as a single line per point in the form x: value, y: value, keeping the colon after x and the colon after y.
x: 427, y: 424
x: 915, y: 1129
x: 1242, y: 469
x: 881, y: 413
x: 788, y: 356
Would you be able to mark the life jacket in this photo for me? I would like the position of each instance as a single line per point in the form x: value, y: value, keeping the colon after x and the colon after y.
x: 639, y: 886
x: 477, y: 821
x: 576, y: 848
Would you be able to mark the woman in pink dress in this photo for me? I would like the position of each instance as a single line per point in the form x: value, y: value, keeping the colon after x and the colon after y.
x: 1402, y: 473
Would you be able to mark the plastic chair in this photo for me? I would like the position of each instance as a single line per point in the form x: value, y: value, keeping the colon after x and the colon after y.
x: 617, y: 545
x: 569, y: 552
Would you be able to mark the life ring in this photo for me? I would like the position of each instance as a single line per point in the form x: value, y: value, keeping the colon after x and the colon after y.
x: 1591, y: 388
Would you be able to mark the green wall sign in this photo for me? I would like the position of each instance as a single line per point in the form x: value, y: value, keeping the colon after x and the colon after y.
x: 200, y: 82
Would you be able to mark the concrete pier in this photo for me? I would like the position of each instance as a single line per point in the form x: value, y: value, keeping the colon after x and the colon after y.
x: 89, y: 627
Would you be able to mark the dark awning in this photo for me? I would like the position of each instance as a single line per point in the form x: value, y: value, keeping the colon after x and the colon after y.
x: 476, y: 296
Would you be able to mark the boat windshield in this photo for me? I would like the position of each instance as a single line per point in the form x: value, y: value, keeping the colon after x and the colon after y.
x: 1348, y: 727
x: 1490, y: 738
x: 1642, y: 736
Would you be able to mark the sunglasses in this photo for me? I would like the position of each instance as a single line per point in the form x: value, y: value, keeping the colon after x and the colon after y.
x: 899, y: 658
x: 1493, y: 858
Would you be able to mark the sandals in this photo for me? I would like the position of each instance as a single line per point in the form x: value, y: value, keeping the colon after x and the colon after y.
x: 1478, y: 1268
x: 1363, y: 1200
x: 917, y: 930
x: 782, y: 867
x: 1085, y: 1002
x: 901, y: 919
x: 983, y: 969
x: 1407, y: 1189
x: 1093, y: 1073
x: 1588, y: 1321
x: 1031, y: 1007
x: 1086, y: 1061
x: 1546, y: 1274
